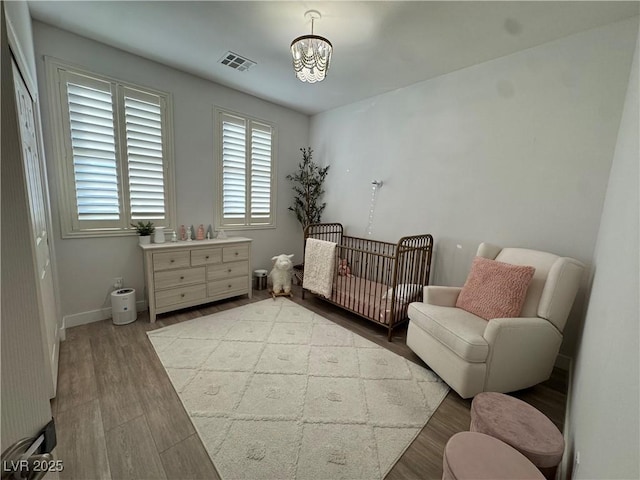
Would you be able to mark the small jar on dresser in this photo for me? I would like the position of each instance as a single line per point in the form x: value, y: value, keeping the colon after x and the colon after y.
x: 185, y: 274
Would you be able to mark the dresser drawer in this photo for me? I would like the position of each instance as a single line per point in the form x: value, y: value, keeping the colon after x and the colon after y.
x: 206, y: 256
x: 230, y: 254
x: 227, y: 270
x: 176, y: 278
x: 175, y: 296
x: 184, y: 274
x: 167, y: 260
x: 228, y: 286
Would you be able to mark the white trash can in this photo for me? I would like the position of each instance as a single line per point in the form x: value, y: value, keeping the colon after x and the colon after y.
x: 260, y: 279
x: 123, y: 306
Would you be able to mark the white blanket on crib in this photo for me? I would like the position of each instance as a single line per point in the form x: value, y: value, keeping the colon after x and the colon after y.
x: 319, y: 265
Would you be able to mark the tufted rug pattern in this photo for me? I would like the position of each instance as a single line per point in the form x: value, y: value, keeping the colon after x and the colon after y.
x: 276, y: 391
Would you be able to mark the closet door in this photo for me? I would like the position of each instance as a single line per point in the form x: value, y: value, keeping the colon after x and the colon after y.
x: 39, y: 229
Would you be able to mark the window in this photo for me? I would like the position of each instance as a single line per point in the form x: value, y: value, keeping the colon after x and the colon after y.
x: 246, y: 174
x: 115, y: 159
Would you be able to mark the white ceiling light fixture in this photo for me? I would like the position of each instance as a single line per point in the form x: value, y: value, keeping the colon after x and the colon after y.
x: 311, y: 54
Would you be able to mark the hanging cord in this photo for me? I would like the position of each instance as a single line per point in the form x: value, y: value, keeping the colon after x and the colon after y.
x: 375, y: 186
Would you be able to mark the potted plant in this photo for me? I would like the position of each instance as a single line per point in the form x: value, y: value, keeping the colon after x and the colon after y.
x: 144, y: 230
x: 307, y: 186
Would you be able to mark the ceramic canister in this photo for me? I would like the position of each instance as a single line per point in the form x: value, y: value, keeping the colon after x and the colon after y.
x: 159, y: 235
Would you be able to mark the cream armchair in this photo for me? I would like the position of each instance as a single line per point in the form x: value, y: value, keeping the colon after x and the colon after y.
x: 474, y: 355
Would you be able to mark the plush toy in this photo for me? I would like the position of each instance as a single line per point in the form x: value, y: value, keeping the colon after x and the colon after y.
x: 281, y: 273
x: 344, y: 270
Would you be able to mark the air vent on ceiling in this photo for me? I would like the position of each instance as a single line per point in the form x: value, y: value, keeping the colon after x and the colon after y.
x: 236, y: 62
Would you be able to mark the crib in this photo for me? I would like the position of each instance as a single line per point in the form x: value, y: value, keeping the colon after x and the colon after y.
x: 385, y: 277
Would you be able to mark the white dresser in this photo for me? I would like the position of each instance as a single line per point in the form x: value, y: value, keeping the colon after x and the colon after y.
x: 184, y: 274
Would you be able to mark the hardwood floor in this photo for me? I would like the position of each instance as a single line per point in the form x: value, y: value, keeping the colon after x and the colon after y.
x: 118, y: 416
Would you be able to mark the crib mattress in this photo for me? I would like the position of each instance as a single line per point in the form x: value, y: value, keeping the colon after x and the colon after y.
x: 365, y: 297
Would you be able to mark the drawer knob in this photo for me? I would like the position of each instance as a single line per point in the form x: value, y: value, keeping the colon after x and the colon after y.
x: 207, y: 257
x: 182, y: 278
x: 229, y: 270
x: 229, y: 286
x: 172, y: 260
x: 182, y: 295
x: 236, y: 254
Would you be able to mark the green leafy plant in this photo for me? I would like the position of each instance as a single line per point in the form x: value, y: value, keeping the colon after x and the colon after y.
x: 307, y: 186
x: 144, y: 229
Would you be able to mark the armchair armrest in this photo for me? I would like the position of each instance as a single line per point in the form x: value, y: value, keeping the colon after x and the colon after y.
x: 522, y: 352
x: 441, y: 296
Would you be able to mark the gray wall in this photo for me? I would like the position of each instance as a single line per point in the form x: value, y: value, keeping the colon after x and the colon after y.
x: 515, y: 151
x: 87, y: 266
x: 603, y: 415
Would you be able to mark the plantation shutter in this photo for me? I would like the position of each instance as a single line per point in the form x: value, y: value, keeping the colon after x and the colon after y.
x: 90, y: 122
x: 234, y: 170
x: 260, y: 173
x: 145, y: 155
x: 245, y: 160
x: 114, y: 153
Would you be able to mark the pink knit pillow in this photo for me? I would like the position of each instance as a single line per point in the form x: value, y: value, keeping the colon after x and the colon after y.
x: 495, y: 289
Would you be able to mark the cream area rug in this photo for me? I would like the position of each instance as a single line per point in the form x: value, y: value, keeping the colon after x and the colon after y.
x: 276, y: 391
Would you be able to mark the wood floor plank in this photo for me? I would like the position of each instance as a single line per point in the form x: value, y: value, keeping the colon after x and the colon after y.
x: 189, y: 459
x: 76, y: 378
x: 132, y: 453
x: 116, y: 386
x: 81, y: 443
x: 423, y: 459
x: 168, y: 422
x: 134, y: 332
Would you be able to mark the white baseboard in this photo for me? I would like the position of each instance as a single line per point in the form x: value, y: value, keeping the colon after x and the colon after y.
x: 69, y: 321
x: 563, y: 362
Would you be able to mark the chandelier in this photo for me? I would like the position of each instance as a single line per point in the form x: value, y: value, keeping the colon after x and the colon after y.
x: 311, y: 54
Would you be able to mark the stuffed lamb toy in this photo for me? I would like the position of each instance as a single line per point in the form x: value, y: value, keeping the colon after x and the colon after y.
x: 281, y: 273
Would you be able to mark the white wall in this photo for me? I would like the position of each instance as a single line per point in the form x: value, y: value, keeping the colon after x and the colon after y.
x: 19, y: 25
x: 87, y: 266
x: 603, y: 415
x: 515, y: 151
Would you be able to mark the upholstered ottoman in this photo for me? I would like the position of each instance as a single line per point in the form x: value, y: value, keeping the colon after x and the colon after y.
x: 476, y: 456
x: 520, y: 425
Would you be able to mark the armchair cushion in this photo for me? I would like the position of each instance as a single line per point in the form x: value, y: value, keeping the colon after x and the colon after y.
x: 542, y: 261
x: 458, y: 330
x: 495, y: 289
x: 442, y: 296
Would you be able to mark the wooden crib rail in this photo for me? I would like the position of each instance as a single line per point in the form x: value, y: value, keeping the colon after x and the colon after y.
x: 414, y: 258
x: 330, y: 232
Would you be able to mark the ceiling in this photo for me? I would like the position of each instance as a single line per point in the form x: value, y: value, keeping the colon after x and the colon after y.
x: 378, y: 46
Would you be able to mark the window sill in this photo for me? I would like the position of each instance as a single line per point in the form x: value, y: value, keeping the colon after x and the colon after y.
x: 240, y: 228
x: 108, y: 233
